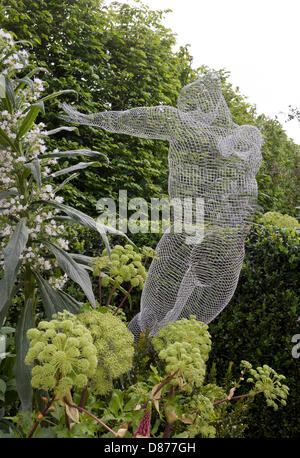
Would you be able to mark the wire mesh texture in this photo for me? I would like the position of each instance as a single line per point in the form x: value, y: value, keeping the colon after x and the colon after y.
x: 210, y: 158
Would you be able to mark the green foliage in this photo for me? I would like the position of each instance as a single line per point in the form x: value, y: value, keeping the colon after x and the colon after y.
x: 90, y: 245
x: 266, y: 308
x: 278, y: 177
x: 120, y: 274
x: 279, y: 220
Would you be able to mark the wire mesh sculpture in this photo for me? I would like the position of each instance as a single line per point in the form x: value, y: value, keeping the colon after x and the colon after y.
x: 212, y: 158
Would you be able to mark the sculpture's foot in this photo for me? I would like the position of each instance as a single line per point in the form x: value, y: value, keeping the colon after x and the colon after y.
x: 134, y: 327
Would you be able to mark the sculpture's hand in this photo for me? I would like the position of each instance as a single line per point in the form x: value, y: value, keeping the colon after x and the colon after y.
x: 75, y: 117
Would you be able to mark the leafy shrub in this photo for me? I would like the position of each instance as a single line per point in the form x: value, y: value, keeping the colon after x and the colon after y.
x: 279, y: 220
x: 260, y: 321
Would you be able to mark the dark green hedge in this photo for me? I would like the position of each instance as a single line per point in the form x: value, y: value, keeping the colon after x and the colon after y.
x: 260, y: 321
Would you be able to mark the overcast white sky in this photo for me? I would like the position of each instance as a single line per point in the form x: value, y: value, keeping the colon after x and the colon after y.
x: 256, y: 40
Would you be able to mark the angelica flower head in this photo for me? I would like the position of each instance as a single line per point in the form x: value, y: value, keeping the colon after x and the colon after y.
x: 63, y: 355
x: 189, y: 331
x: 184, y: 346
x: 123, y: 265
x: 70, y: 349
x: 114, y: 344
x: 268, y: 381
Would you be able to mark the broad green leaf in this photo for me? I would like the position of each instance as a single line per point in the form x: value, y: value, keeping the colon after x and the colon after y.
x: 66, y: 181
x: 53, y: 299
x: 28, y: 121
x: 76, y: 152
x: 82, y: 259
x: 5, y: 299
x: 123, y: 290
x: 2, y: 345
x: 59, y: 129
x: 119, y: 287
x: 37, y: 70
x: 10, y: 95
x: 22, y: 371
x: 10, y: 192
x: 57, y: 94
x: 23, y: 81
x: 7, y: 330
x: 76, y: 272
x: 78, y: 217
x: 5, y: 140
x: 12, y: 252
x: 35, y: 167
x: 79, y: 166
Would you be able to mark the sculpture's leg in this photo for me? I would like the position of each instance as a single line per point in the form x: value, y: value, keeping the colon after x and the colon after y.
x: 217, y: 263
x: 187, y: 286
x: 163, y: 283
x: 190, y: 279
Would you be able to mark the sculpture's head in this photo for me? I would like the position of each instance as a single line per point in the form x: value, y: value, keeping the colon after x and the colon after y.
x: 204, y: 99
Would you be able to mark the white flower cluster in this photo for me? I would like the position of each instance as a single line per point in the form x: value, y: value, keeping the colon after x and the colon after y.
x: 58, y: 283
x: 13, y: 62
x: 41, y: 223
x: 38, y: 89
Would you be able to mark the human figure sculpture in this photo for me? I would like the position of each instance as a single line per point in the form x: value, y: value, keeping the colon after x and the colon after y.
x: 210, y: 157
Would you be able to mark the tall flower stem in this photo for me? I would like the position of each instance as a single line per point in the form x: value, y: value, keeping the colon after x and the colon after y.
x: 43, y: 412
x: 83, y: 396
x: 111, y: 294
x: 83, y: 410
x: 123, y: 300
x: 236, y: 397
x: 100, y: 289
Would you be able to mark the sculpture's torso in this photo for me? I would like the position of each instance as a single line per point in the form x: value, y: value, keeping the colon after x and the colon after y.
x: 198, y: 169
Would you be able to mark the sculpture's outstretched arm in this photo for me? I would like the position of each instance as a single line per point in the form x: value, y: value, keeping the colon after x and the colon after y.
x: 152, y: 122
